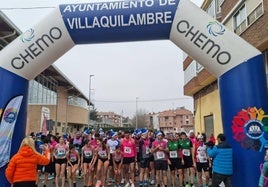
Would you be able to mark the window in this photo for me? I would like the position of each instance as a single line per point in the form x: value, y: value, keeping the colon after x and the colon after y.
x: 255, y: 14
x: 199, y: 67
x: 218, y: 8
x: 42, y: 90
x: 240, y: 20
x: 211, y: 10
x: 77, y: 101
x: 220, y: 2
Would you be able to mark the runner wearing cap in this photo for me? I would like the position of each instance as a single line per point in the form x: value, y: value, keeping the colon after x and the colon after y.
x: 202, y: 160
x: 112, y: 142
x: 175, y: 159
x: 144, y: 157
x: 160, y: 151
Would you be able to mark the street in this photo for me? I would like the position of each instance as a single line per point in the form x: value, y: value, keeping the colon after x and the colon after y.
x: 79, y: 183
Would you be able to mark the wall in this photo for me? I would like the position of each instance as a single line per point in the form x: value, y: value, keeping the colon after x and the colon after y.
x: 206, y: 105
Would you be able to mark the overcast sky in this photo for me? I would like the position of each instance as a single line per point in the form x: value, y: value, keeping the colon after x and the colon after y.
x: 147, y: 72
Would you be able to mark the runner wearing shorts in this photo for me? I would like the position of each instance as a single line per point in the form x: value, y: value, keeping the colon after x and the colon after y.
x: 175, y: 159
x: 188, y: 158
x: 160, y: 151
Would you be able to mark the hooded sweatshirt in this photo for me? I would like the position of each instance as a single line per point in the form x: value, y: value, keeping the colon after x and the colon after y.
x: 22, y: 166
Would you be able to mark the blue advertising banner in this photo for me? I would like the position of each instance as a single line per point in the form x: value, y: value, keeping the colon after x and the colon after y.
x: 13, y: 107
x: 243, y: 94
x: 119, y: 21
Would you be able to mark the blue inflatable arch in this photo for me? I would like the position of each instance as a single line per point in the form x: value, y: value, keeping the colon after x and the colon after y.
x: 238, y: 66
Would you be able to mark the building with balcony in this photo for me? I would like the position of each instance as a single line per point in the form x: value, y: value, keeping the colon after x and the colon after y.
x: 176, y: 120
x: 248, y: 19
x: 152, y: 121
x: 109, y: 120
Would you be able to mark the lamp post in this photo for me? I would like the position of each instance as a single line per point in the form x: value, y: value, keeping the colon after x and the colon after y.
x: 89, y: 100
x: 136, y: 112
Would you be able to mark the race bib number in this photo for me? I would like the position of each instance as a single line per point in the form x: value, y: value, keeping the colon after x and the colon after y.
x: 73, y: 159
x: 186, y: 152
x: 102, y: 154
x: 202, y: 157
x: 160, y: 155
x: 203, y: 160
x: 88, y: 154
x: 127, y: 150
x: 112, y: 150
x: 173, y: 154
x: 61, y: 152
x: 147, y: 150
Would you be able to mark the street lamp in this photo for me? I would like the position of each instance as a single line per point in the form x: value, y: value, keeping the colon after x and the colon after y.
x: 136, y: 112
x: 89, y: 99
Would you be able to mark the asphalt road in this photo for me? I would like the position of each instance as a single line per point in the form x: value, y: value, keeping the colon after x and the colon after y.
x: 80, y: 183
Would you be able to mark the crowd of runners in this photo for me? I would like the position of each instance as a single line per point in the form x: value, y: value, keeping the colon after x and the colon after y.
x: 126, y: 158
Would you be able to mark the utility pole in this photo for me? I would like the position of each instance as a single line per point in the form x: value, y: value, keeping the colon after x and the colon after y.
x: 89, y: 100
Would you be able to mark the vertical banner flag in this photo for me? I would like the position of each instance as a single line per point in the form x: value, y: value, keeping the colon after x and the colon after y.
x: 45, y: 115
x: 8, y: 121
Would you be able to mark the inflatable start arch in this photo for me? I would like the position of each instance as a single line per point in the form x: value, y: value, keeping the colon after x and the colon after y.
x: 238, y: 66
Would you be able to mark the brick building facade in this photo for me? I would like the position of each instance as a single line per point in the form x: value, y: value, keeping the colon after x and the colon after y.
x: 176, y: 120
x: 248, y: 19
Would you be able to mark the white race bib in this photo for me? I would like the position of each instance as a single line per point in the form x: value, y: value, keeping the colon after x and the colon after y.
x: 88, y: 154
x: 147, y: 150
x: 160, y: 155
x: 202, y: 157
x: 112, y: 150
x: 61, y: 152
x: 102, y: 154
x: 73, y: 159
x: 127, y: 150
x: 186, y: 152
x: 173, y: 154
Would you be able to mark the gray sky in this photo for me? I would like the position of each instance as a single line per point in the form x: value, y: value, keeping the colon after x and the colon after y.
x: 150, y: 71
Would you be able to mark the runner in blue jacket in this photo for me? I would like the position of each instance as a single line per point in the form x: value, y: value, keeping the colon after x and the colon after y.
x: 222, y: 156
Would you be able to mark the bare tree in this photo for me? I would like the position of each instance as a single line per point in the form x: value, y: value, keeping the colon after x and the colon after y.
x: 141, y: 117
